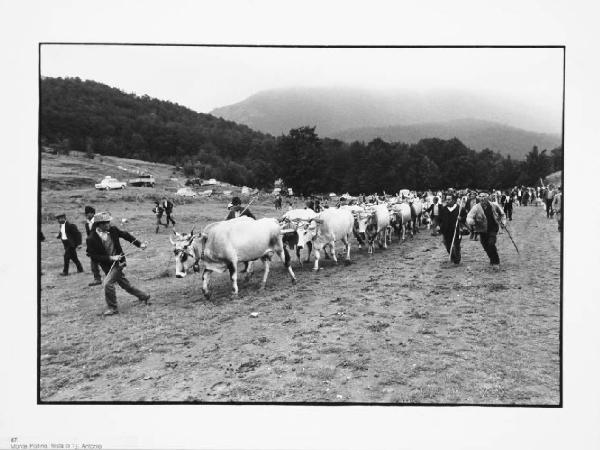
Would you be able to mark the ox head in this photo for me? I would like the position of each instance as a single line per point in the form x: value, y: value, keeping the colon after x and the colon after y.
x: 307, y: 232
x: 363, y: 221
x: 425, y: 219
x: 184, y: 252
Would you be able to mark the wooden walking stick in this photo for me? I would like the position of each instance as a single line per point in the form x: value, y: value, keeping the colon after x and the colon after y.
x: 455, y: 227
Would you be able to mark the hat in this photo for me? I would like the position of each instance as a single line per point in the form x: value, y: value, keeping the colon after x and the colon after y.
x: 59, y: 215
x: 90, y: 210
x: 236, y: 201
x: 102, y: 217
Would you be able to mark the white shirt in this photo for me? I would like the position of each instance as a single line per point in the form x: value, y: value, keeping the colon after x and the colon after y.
x: 436, y: 211
x: 63, y: 232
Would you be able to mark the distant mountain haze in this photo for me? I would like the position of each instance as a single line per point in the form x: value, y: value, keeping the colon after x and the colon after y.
x: 336, y: 112
x: 475, y: 134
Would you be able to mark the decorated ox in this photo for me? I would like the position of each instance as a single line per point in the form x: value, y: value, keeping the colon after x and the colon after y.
x: 222, y: 245
x: 330, y: 226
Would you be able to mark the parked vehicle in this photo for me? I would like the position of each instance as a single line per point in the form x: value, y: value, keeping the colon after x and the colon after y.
x: 143, y: 180
x: 186, y: 192
x: 109, y: 183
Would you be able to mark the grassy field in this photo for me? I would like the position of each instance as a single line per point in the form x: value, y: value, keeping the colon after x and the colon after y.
x: 400, y: 326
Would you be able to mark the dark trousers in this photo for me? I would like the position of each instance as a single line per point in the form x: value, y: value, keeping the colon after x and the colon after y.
x: 116, y: 276
x: 169, y: 219
x: 455, y: 254
x: 158, y: 222
x: 549, y: 210
x: 508, y: 210
x: 488, y: 242
x: 95, y: 270
x: 71, y: 255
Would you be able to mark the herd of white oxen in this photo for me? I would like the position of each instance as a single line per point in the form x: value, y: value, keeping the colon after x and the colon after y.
x: 222, y: 245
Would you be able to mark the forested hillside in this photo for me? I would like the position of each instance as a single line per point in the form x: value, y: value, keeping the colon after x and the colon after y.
x: 89, y: 116
x: 95, y: 118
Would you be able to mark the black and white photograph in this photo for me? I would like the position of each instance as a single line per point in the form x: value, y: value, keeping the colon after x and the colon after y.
x: 372, y: 225
x: 264, y: 225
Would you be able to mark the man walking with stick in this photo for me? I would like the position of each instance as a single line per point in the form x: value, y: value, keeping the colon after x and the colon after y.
x: 104, y: 247
x: 486, y: 217
x: 451, y: 215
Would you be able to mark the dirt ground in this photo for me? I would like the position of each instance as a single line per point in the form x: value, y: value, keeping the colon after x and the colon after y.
x: 400, y: 326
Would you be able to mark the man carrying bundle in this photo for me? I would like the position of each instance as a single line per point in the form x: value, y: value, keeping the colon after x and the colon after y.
x: 451, y: 216
x: 485, y: 218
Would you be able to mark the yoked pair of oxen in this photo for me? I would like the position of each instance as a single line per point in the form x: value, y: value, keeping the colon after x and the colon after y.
x: 222, y: 245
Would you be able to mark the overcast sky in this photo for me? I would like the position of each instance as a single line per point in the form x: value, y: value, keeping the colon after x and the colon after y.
x: 203, y: 78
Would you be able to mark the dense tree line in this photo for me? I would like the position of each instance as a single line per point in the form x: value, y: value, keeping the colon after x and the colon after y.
x: 92, y: 117
x: 310, y: 164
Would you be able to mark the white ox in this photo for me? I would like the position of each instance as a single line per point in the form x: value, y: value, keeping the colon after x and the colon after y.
x: 290, y: 222
x: 375, y: 224
x: 330, y: 226
x: 401, y: 218
x: 416, y: 208
x: 222, y: 245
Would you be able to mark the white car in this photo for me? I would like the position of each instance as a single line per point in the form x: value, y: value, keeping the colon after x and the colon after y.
x: 109, y: 183
x: 186, y: 192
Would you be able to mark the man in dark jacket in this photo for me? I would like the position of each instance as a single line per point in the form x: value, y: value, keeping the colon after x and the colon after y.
x: 89, y: 223
x: 450, y: 216
x: 71, y: 239
x: 104, y: 247
x: 167, y: 205
x: 506, y: 202
x: 236, y: 209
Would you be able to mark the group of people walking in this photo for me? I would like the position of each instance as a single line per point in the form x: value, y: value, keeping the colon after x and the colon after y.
x: 452, y: 214
x: 103, y: 247
x: 479, y: 216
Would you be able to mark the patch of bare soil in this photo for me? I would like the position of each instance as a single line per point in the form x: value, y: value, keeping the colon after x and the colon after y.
x: 401, y: 326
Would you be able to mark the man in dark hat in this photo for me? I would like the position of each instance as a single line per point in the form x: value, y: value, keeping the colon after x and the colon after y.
x: 236, y: 209
x: 71, y: 239
x: 89, y: 223
x: 104, y: 247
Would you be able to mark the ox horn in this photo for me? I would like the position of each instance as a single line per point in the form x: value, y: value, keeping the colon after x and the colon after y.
x: 171, y: 239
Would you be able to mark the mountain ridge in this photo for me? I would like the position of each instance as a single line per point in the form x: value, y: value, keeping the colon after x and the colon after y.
x: 335, y: 111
